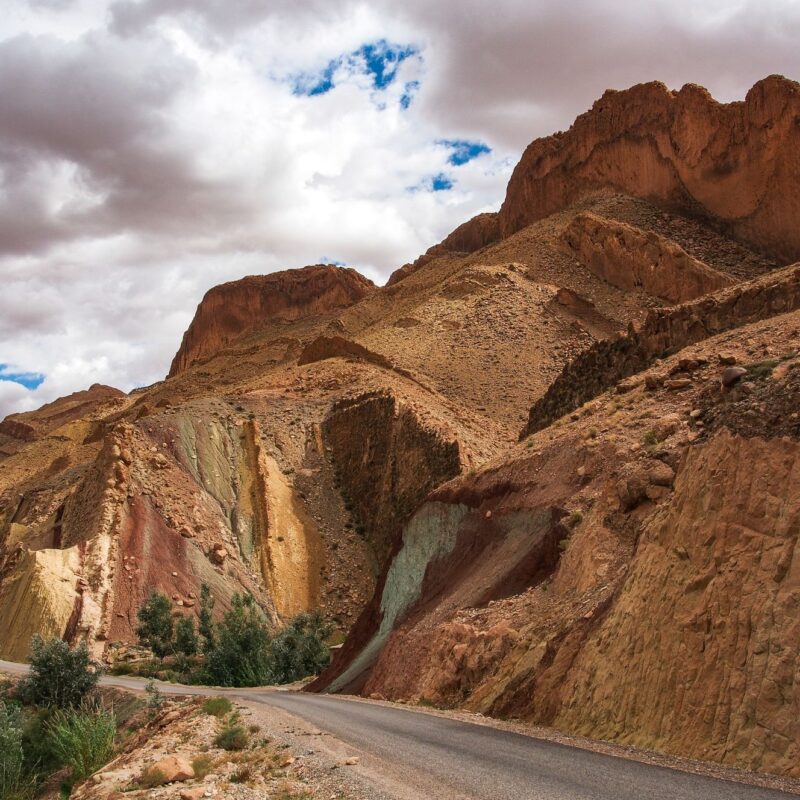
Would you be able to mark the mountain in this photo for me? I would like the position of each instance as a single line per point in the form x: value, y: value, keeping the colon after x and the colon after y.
x: 549, y: 471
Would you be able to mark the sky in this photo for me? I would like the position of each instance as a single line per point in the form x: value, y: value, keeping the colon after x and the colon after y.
x: 151, y: 149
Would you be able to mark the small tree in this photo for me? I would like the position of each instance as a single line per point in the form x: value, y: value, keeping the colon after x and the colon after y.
x: 59, y: 676
x: 185, y: 637
x: 240, y: 655
x: 205, y: 622
x: 155, y: 624
x: 299, y: 649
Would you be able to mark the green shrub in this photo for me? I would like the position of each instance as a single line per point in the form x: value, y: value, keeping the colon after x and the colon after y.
x: 575, y: 518
x: 762, y: 370
x: 59, y: 676
x: 155, y: 624
x: 40, y: 757
x: 83, y: 738
x: 217, y: 706
x: 11, y: 753
x: 232, y: 737
x: 299, y: 650
x: 154, y: 698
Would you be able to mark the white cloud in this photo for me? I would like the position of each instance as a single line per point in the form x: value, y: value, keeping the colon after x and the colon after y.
x: 150, y: 149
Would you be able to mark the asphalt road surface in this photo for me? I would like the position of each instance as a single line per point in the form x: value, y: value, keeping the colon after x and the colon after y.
x: 466, y: 760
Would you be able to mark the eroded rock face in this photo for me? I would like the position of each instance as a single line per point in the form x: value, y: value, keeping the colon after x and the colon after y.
x: 632, y: 259
x: 387, y: 460
x: 233, y: 309
x: 715, y: 578
x: 735, y: 163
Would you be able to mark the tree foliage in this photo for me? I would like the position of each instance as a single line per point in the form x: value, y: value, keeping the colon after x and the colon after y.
x: 155, y: 624
x: 185, y: 636
x: 299, y: 649
x: 240, y: 652
x: 205, y: 621
x: 59, y: 676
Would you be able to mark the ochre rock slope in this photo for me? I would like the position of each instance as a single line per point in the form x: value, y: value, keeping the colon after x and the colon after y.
x: 233, y: 309
x: 625, y: 573
x: 735, y: 164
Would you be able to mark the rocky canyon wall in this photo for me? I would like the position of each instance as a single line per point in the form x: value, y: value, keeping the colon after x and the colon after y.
x: 734, y: 164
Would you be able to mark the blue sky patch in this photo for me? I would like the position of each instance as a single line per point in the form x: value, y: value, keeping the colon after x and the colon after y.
x: 380, y: 60
x: 409, y: 91
x: 441, y: 183
x: 464, y: 150
x: 30, y: 380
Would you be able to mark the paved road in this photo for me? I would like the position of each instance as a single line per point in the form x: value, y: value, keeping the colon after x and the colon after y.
x: 465, y: 760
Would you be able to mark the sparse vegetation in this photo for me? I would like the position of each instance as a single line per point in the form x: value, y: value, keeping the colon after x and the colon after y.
x: 762, y: 369
x: 201, y: 766
x: 151, y: 778
x: 217, y: 706
x: 154, y: 698
x: 232, y: 736
x: 650, y: 439
x: 575, y: 518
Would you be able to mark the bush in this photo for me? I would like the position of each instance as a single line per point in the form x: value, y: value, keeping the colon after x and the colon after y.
x: 240, y: 653
x: 154, y: 699
x: 59, y: 676
x: 11, y: 754
x: 217, y: 706
x: 83, y: 738
x: 155, y: 624
x: 40, y: 757
x: 299, y: 650
x: 232, y: 737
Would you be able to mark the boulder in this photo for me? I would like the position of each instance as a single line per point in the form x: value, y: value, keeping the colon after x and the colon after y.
x: 175, y: 769
x: 731, y: 375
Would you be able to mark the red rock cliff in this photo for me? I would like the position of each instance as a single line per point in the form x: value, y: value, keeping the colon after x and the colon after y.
x: 232, y: 309
x: 736, y: 163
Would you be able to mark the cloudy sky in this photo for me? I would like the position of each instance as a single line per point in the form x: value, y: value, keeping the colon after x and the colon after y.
x: 150, y: 149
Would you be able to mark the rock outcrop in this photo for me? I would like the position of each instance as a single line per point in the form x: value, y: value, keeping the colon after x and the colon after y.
x: 633, y: 259
x: 663, y: 331
x: 234, y: 309
x: 735, y: 164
